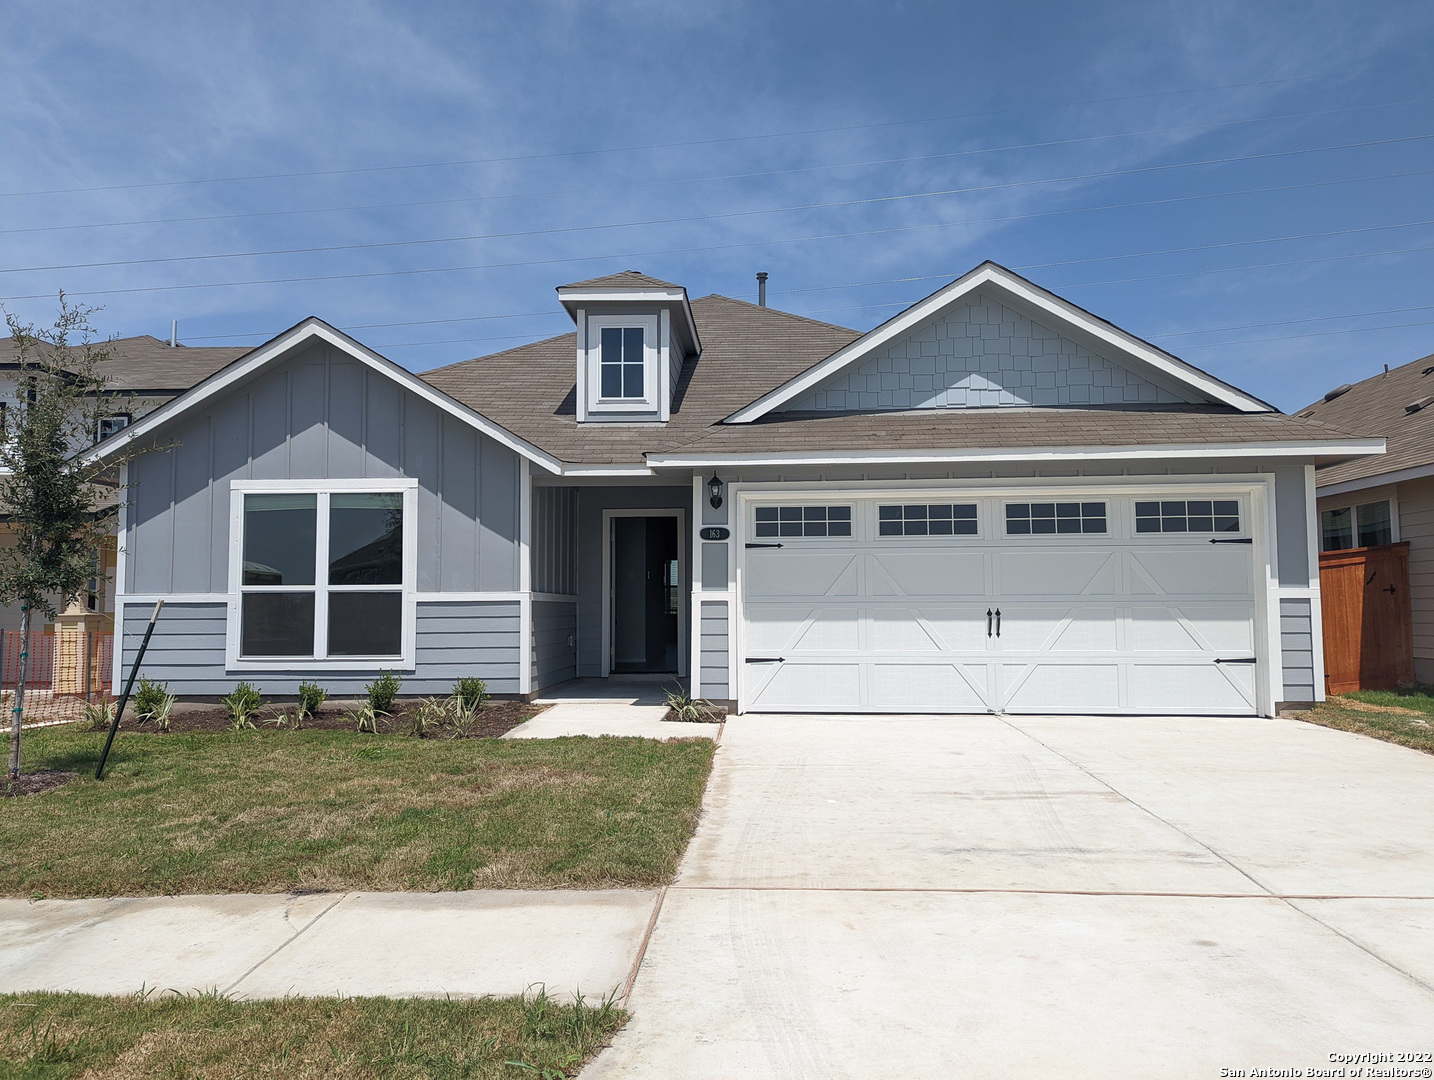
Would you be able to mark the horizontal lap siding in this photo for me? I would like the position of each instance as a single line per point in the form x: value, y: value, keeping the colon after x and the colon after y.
x: 714, y: 629
x: 555, y: 627
x: 1297, y: 649
x: 454, y: 640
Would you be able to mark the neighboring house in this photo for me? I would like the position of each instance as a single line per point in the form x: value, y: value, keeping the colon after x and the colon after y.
x: 1389, y: 500
x: 143, y: 373
x: 993, y: 501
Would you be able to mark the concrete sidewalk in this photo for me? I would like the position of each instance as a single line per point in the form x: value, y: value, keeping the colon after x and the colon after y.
x: 609, y: 718
x: 465, y: 944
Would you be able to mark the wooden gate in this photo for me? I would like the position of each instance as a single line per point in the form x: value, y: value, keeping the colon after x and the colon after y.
x: 1368, y: 625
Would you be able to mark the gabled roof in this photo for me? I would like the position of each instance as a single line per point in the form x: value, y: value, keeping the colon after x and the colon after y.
x: 1383, y: 405
x: 1050, y: 308
x: 630, y: 286
x: 274, y: 350
x: 627, y: 279
x: 147, y: 365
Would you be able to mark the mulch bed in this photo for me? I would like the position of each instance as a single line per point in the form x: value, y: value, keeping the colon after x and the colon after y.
x: 714, y: 716
x: 497, y: 718
x: 35, y: 783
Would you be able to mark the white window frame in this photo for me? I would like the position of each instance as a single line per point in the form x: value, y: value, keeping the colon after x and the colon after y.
x: 651, y: 380
x: 1097, y: 537
x: 1241, y: 506
x: 1353, y: 506
x: 322, y: 489
x: 927, y: 537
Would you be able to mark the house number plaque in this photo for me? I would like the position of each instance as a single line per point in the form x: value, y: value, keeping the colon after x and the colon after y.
x: 715, y: 532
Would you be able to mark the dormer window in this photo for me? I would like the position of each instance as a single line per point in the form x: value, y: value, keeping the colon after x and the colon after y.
x: 622, y: 363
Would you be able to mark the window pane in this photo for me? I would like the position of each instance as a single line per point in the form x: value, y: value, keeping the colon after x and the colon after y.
x: 279, y: 538
x: 889, y: 528
x: 1336, y: 529
x: 766, y: 513
x: 277, y: 624
x: 1374, y: 528
x: 366, y: 539
x: 365, y: 624
x: 839, y: 513
x: 840, y: 528
x: 611, y: 380
x: 632, y: 345
x: 632, y: 380
x: 766, y: 528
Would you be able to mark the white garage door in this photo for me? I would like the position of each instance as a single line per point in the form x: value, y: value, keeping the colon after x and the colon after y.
x: 1077, y: 604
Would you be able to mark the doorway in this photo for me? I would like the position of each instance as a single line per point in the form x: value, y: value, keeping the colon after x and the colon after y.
x: 645, y: 594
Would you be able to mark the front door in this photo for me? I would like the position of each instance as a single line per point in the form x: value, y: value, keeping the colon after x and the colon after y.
x: 646, y: 595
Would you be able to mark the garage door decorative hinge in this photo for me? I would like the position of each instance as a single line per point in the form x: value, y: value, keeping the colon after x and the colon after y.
x: 1241, y: 540
x: 1238, y: 660
x: 763, y: 545
x: 765, y: 659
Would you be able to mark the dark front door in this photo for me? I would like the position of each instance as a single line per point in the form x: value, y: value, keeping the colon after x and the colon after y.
x: 645, y: 594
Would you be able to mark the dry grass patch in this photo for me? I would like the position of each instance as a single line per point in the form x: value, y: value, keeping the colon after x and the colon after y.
x: 1389, y: 722
x: 205, y: 1037
x: 266, y: 812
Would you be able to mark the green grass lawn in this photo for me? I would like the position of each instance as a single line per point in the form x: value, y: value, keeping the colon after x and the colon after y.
x: 1405, y: 717
x: 64, y: 1036
x: 271, y: 811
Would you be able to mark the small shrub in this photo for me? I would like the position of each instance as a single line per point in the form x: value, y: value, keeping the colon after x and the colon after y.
x: 149, y: 698
x: 690, y: 710
x: 241, y: 704
x: 100, y: 714
x: 382, y: 692
x: 311, y: 699
x: 426, y: 719
x: 471, y: 691
x: 461, y: 718
x: 365, y: 720
x: 162, y: 712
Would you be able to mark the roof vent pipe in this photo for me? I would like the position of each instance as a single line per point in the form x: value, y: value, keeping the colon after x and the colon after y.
x: 761, y: 288
x: 173, y: 333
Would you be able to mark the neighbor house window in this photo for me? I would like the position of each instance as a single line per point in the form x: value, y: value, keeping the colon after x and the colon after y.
x: 803, y: 521
x: 1187, y: 516
x: 1365, y: 525
x: 621, y: 362
x: 323, y: 575
x: 110, y: 424
x: 927, y: 519
x: 1054, y: 517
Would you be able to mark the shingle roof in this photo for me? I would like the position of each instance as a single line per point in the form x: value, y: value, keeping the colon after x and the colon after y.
x: 628, y: 278
x: 1377, y: 406
x: 748, y: 350
x: 147, y: 365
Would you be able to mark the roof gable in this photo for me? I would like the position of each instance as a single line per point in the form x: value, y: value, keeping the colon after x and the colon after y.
x: 280, y: 348
x: 1159, y: 375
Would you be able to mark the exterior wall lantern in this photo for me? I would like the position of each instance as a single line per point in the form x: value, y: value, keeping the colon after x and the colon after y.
x: 714, y: 491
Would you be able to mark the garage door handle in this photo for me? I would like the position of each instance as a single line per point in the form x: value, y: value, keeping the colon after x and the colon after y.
x: 763, y: 545
x: 998, y: 622
x: 765, y: 659
x: 988, y: 622
x: 1241, y: 540
x: 1238, y: 660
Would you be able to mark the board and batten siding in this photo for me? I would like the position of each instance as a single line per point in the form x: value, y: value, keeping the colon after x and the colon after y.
x: 454, y: 639
x: 323, y: 415
x: 714, y: 627
x: 1416, y: 525
x: 554, y: 542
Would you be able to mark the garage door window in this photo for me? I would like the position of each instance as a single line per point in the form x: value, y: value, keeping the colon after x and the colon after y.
x: 927, y: 519
x: 803, y: 521
x: 1024, y: 519
x: 1188, y: 516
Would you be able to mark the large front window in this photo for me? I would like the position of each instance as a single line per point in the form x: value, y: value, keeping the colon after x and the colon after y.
x: 322, y: 575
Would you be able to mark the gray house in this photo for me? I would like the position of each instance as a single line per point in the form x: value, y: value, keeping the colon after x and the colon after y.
x: 993, y: 501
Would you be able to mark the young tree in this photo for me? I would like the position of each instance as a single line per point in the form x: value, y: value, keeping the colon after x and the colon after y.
x: 59, y: 507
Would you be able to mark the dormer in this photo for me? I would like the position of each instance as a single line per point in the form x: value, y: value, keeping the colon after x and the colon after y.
x: 634, y: 334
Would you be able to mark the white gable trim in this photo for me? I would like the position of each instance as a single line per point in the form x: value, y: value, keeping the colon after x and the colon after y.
x: 1063, y: 311
x: 316, y: 329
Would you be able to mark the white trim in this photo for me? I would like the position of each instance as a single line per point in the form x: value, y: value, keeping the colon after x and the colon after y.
x: 989, y: 273
x: 525, y: 580
x: 1316, y: 604
x: 312, y: 328
x: 322, y: 489
x: 638, y: 293
x: 1048, y: 453
x: 694, y: 614
x: 607, y: 470
x: 1399, y: 476
x: 471, y: 597
x: 664, y: 365
x: 652, y: 382
x: 684, y: 582
x: 580, y: 316
x: 121, y: 568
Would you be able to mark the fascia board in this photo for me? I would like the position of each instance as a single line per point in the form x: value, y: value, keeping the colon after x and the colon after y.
x: 1397, y: 476
x: 1034, y: 295
x: 312, y: 328
x: 1051, y: 453
x: 579, y: 469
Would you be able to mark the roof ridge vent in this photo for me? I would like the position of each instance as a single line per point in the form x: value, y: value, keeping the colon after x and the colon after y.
x: 1338, y: 390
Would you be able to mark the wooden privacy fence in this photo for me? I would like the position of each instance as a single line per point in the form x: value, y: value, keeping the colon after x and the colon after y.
x: 66, y: 671
x: 1368, y: 622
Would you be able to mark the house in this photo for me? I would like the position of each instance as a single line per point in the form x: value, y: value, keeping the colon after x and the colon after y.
x: 993, y: 501
x: 1378, y: 514
x: 142, y: 373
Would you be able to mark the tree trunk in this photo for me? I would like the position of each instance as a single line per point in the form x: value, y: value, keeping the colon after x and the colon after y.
x: 20, y: 691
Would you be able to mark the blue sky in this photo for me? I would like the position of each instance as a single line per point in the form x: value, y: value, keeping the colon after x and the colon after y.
x: 1247, y: 185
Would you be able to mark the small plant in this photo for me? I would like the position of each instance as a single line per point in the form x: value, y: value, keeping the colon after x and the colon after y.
x: 471, y: 691
x: 149, y: 698
x: 100, y: 714
x: 462, y: 718
x: 427, y: 718
x: 690, y: 710
x: 311, y: 699
x: 241, y: 704
x: 365, y: 719
x: 382, y: 692
x: 162, y: 713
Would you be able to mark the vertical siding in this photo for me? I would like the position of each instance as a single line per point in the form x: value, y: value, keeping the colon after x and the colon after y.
x: 323, y: 415
x: 714, y: 629
x: 555, y: 628
x: 1297, y: 649
x: 1292, y: 527
x: 554, y: 540
x: 1416, y: 525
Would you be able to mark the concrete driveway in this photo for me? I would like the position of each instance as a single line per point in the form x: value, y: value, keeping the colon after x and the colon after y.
x: 1062, y: 897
